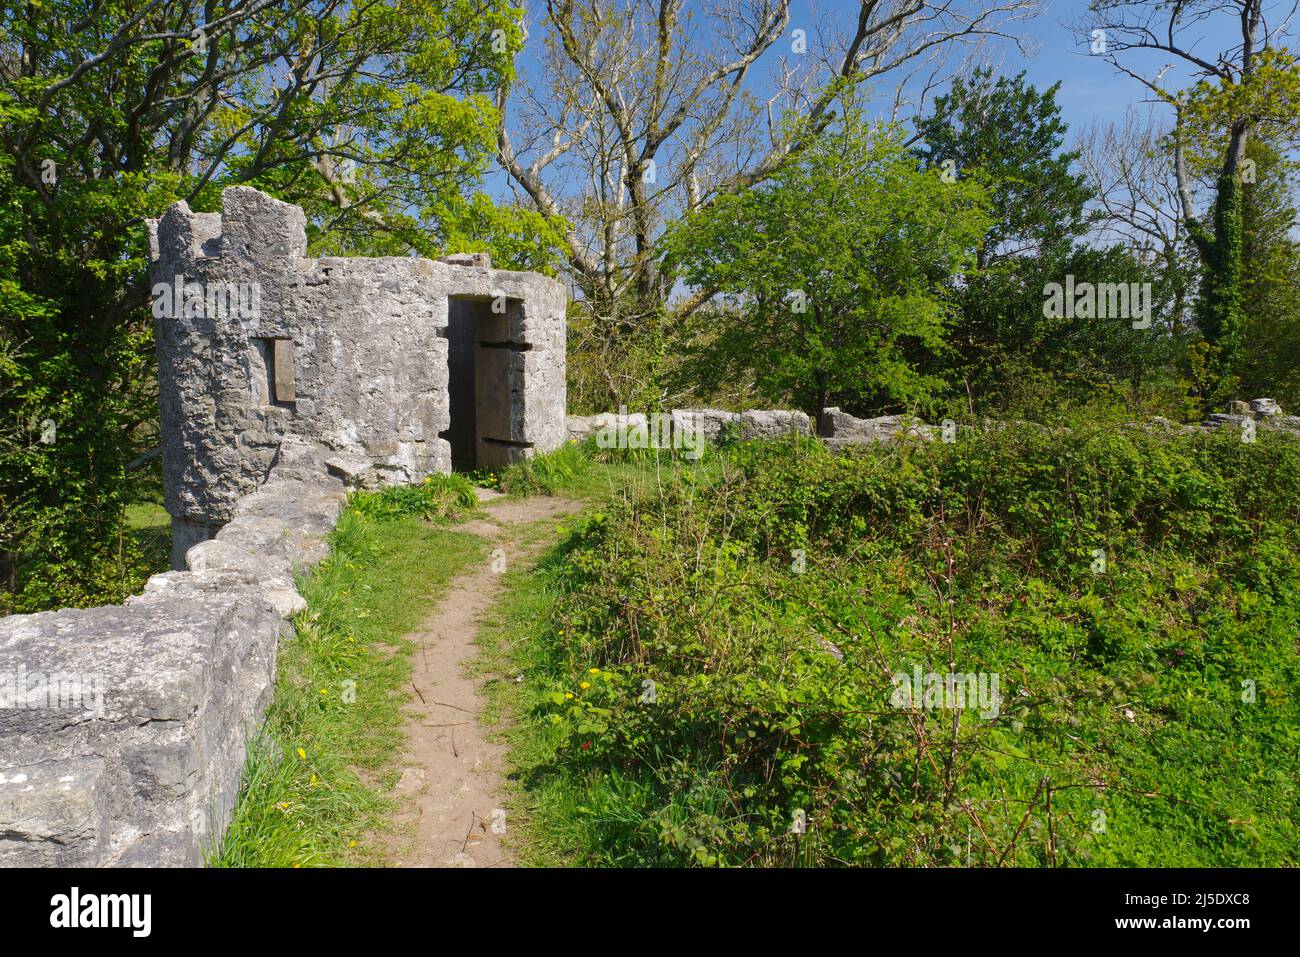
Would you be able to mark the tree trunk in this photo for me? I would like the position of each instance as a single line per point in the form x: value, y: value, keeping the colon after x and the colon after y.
x: 1218, y: 310
x: 823, y: 380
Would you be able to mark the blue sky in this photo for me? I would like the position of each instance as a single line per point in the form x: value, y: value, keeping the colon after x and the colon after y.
x: 1091, y: 91
x: 1090, y: 88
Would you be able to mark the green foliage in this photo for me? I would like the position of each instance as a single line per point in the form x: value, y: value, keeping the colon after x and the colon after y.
x: 1217, y: 118
x: 437, y: 497
x: 544, y: 474
x: 608, y: 364
x: 1270, y: 280
x: 1119, y: 690
x: 1016, y: 358
x: 840, y: 264
x: 513, y: 236
x: 1218, y: 308
x: 1010, y: 135
x: 1265, y: 97
x: 1005, y: 353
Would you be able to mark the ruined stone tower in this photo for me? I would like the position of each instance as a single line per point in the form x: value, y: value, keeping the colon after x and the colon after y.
x: 395, y: 367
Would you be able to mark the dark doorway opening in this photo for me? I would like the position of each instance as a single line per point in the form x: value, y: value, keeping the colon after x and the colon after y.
x: 463, y: 434
x: 484, y: 383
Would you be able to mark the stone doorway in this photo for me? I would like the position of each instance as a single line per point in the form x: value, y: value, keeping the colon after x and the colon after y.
x: 484, y: 382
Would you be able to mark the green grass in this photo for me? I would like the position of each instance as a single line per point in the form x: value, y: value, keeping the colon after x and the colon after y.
x: 585, y: 472
x: 340, y: 686
x: 149, y: 527
x: 553, y: 822
x: 147, y: 515
x: 1122, y: 692
x: 541, y: 806
x: 545, y: 474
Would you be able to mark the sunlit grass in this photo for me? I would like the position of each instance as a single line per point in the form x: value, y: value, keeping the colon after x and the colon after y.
x: 340, y: 687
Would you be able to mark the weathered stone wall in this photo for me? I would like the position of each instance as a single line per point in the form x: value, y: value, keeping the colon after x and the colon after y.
x: 123, y: 728
x: 366, y: 341
x: 839, y: 429
x: 708, y: 424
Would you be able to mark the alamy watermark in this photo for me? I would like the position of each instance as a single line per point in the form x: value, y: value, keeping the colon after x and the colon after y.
x: 931, y: 689
x: 211, y: 300
x: 1103, y: 300
x: 60, y: 690
x: 75, y: 909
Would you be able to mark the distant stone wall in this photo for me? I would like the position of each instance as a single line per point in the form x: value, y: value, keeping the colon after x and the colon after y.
x: 684, y: 426
x: 680, y: 427
x: 708, y: 424
x: 123, y: 728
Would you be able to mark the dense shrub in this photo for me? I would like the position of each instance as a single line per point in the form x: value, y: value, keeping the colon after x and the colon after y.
x: 438, y: 496
x: 723, y: 653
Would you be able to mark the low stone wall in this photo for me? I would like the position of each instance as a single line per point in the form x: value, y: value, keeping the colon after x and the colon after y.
x: 708, y: 424
x: 1265, y: 413
x: 123, y: 728
x: 840, y: 430
x: 712, y: 425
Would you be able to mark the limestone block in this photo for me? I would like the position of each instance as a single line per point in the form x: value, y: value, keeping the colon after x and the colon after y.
x: 708, y: 423
x: 771, y: 423
x: 53, y: 814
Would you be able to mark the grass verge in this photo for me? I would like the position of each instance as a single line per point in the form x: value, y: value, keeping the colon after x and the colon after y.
x: 586, y: 472
x: 542, y: 809
x: 340, y: 685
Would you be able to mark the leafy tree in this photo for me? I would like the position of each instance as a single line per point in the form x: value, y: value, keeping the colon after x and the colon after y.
x: 1007, y: 134
x: 840, y: 264
x: 1271, y: 280
x: 374, y: 117
x: 635, y: 113
x: 1248, y: 87
x: 1013, y: 135
x: 1216, y: 122
x: 515, y: 237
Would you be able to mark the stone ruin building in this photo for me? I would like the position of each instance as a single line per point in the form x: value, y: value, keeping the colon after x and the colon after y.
x: 397, y: 367
x: 283, y: 380
x: 123, y: 728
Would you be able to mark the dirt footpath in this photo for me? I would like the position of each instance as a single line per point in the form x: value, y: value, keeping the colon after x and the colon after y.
x: 450, y: 793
